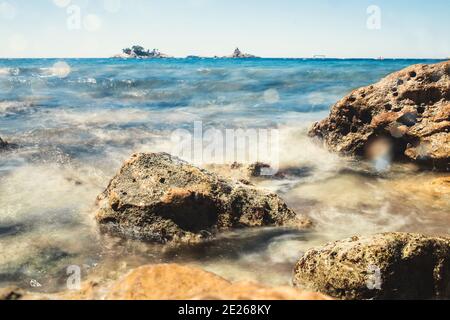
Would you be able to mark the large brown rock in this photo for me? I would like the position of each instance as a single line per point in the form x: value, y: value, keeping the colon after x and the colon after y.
x: 384, y: 266
x: 175, y: 282
x: 409, y: 108
x: 168, y: 282
x: 160, y: 198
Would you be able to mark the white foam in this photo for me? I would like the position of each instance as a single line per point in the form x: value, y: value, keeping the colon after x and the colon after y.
x: 100, y: 116
x: 11, y: 107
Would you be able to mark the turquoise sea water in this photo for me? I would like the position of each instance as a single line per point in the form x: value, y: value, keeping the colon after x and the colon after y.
x: 76, y: 120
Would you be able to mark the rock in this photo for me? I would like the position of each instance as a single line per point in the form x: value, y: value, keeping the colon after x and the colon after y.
x: 3, y: 144
x: 157, y: 197
x: 383, y: 266
x: 431, y: 190
x: 242, y: 172
x: 441, y: 186
x: 11, y: 293
x: 238, y: 54
x: 139, y: 52
x: 90, y: 290
x: 259, y: 169
x: 410, y: 108
x: 175, y: 282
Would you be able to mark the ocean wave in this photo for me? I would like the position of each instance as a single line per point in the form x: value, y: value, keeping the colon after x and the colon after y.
x: 15, y: 107
x: 100, y: 117
x: 9, y: 71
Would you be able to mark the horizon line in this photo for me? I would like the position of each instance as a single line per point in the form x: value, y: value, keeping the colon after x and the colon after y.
x: 381, y: 58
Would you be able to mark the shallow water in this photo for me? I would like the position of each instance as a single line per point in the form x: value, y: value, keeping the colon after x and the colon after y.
x: 76, y: 126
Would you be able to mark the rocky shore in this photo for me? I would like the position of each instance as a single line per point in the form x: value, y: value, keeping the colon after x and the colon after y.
x: 383, y: 266
x: 158, y: 198
x: 405, y: 117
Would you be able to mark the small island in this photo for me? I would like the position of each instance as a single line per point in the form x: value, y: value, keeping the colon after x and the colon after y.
x: 139, y: 52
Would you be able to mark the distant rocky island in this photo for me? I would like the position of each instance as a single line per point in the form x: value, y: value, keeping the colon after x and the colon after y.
x: 139, y: 52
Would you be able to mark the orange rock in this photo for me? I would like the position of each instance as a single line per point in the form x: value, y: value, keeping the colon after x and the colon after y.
x: 175, y: 282
x: 168, y: 282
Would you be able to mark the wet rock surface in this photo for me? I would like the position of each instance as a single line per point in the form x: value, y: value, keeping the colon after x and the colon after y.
x: 159, y: 198
x: 435, y: 190
x: 409, y: 108
x: 383, y: 266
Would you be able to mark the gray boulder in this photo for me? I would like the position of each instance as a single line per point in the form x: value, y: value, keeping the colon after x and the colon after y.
x: 160, y: 198
x: 383, y: 266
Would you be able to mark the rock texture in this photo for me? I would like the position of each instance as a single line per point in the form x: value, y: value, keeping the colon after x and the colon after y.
x: 175, y: 282
x: 384, y: 266
x: 409, y: 108
x: 160, y: 198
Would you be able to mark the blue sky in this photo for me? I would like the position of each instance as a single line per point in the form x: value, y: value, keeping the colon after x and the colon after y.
x: 269, y: 28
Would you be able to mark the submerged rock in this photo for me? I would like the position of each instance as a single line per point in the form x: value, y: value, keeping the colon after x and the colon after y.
x: 160, y: 198
x: 384, y: 266
x: 423, y: 189
x: 175, y: 282
x: 441, y: 186
x: 410, y: 109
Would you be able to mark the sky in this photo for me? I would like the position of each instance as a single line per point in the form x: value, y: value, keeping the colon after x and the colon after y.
x: 267, y: 28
